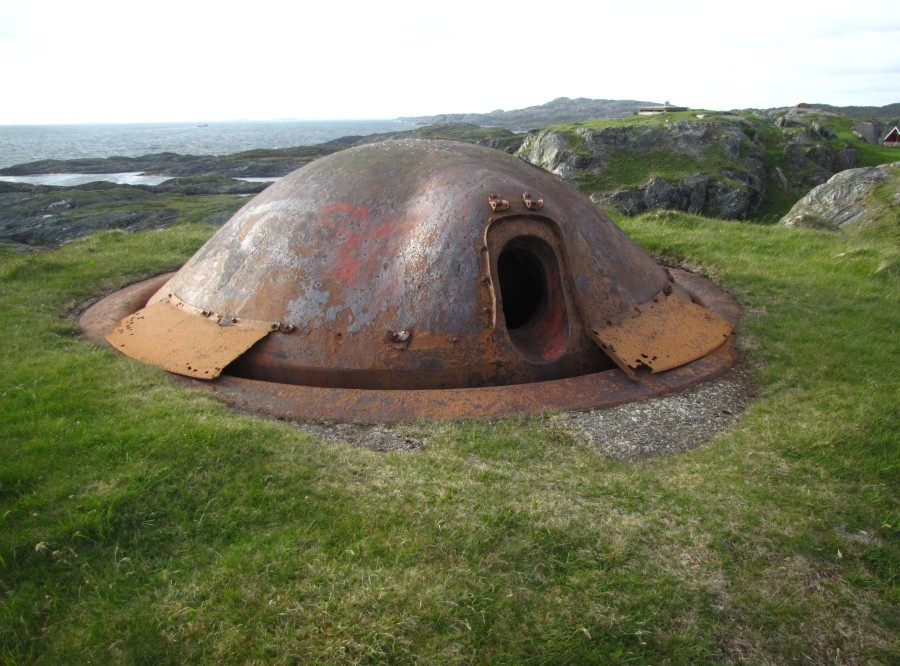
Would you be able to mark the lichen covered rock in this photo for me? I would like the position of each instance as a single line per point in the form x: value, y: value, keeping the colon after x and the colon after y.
x: 846, y: 199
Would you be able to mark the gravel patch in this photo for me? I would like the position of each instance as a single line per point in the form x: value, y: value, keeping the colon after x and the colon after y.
x: 667, y: 425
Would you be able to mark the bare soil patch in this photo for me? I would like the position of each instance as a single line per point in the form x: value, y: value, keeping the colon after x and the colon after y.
x: 375, y: 437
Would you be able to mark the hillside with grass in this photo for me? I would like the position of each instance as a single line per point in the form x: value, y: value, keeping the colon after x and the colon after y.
x: 737, y: 165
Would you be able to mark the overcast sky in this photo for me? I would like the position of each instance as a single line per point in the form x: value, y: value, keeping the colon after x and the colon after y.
x: 71, y: 61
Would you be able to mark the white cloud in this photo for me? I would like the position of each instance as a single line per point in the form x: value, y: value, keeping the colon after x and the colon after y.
x: 107, y: 60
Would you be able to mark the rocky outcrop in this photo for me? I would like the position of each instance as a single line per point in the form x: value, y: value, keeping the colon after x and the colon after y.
x: 659, y: 194
x: 814, y: 163
x: 846, y: 199
x: 812, y: 153
x: 564, y: 152
x: 812, y: 150
x: 711, y: 165
x: 866, y: 131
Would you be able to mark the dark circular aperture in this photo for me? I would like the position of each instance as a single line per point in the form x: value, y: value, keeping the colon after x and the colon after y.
x: 522, y: 286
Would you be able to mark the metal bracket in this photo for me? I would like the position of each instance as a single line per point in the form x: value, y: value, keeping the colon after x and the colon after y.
x: 532, y: 204
x: 497, y: 204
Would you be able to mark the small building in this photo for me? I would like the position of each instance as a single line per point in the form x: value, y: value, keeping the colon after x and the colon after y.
x: 893, y: 138
x: 665, y: 108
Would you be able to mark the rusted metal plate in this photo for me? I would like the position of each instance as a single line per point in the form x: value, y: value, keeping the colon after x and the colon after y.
x: 103, y: 316
x: 665, y: 332
x: 170, y: 334
x: 703, y: 291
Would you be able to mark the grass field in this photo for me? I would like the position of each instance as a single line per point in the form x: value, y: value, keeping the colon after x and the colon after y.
x: 141, y: 522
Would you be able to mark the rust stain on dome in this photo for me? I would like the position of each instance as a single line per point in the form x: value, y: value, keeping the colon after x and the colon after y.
x: 417, y: 278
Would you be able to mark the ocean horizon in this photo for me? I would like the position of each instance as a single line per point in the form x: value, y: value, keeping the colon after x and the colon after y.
x: 20, y: 144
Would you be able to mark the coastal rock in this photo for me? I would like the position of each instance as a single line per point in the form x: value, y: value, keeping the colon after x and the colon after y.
x: 43, y: 215
x: 52, y: 229
x: 210, y: 185
x: 846, y: 199
x: 811, y: 150
x: 821, y: 130
x: 811, y: 163
x: 552, y: 151
x: 658, y: 194
x: 735, y: 199
x: 844, y: 159
x: 711, y: 165
x: 820, y: 155
x: 260, y: 163
x: 794, y: 155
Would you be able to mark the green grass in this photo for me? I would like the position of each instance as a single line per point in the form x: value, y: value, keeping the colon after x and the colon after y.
x: 778, y: 199
x: 655, y: 120
x: 629, y: 169
x: 191, y: 208
x: 142, y: 522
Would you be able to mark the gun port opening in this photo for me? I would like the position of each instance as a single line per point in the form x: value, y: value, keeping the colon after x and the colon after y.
x: 534, y: 306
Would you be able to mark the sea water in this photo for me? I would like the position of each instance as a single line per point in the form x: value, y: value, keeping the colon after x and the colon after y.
x: 74, y: 179
x: 28, y: 143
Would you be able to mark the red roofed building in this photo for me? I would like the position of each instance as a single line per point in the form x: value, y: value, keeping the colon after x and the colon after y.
x: 892, y: 138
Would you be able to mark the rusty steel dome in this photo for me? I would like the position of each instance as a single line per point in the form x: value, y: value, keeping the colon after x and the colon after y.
x: 423, y: 278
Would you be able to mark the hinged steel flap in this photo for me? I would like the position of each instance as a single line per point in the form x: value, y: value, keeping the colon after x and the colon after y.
x: 663, y: 333
x: 181, y: 339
